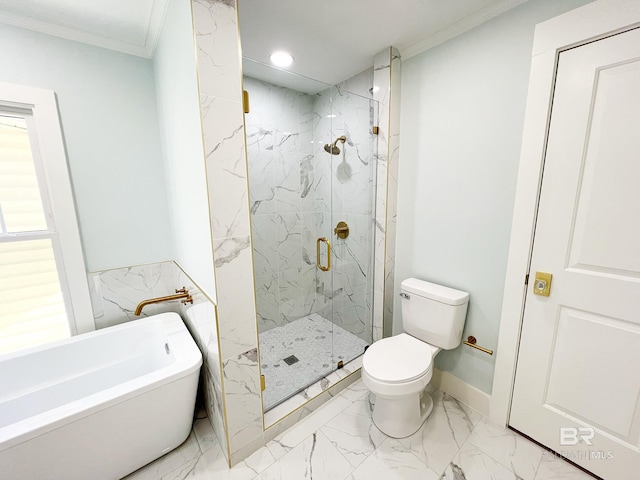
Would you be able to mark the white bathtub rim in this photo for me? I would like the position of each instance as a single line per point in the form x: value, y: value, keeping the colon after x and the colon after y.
x: 50, y: 420
x: 166, y: 317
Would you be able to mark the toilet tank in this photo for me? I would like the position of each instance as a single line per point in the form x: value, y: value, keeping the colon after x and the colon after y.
x: 433, y: 313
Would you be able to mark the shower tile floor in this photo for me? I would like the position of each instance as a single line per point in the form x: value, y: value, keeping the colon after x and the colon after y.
x: 316, y: 343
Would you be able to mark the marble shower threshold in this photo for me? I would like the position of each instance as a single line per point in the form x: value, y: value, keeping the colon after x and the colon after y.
x: 298, y: 406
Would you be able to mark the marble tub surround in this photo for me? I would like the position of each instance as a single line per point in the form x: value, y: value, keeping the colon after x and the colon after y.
x: 338, y: 441
x: 201, y: 320
x: 116, y: 293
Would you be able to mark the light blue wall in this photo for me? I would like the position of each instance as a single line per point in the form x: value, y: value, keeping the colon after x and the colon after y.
x: 174, y: 67
x: 108, y: 113
x: 463, y: 106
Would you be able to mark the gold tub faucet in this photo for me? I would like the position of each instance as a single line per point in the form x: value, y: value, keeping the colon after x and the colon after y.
x: 181, y: 294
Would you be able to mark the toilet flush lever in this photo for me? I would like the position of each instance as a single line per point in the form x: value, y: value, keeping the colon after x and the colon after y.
x: 405, y: 296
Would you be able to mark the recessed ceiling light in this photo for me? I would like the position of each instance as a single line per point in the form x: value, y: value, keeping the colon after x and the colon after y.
x: 281, y: 59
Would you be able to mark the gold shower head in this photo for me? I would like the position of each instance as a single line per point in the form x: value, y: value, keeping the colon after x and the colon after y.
x: 333, y: 148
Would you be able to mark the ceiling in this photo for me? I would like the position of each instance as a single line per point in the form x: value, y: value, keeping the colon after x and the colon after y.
x: 330, y: 40
x: 129, y: 26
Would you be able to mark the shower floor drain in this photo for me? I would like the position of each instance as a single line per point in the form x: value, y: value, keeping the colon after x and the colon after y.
x: 291, y: 360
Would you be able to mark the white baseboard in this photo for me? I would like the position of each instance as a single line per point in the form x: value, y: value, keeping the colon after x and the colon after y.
x: 462, y: 391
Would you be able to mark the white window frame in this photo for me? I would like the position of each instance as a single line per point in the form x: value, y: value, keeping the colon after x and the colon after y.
x: 49, y: 154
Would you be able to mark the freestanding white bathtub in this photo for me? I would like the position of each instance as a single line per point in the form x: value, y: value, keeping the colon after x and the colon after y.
x: 99, y: 405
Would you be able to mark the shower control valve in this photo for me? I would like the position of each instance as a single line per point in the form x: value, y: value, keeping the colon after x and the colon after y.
x: 341, y: 230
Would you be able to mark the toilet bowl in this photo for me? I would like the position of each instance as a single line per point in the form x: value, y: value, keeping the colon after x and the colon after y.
x: 397, y: 370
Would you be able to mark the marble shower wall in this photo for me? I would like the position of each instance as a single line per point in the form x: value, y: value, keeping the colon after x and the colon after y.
x: 221, y: 111
x: 299, y: 193
x: 386, y: 81
x: 282, y: 198
x: 116, y: 293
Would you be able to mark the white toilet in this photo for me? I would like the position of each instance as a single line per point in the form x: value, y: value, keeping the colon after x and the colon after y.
x: 398, y: 369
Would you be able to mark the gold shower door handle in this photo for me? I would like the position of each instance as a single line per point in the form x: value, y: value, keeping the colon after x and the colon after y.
x: 320, y: 266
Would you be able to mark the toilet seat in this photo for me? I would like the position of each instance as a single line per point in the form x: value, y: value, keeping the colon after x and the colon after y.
x: 398, y: 359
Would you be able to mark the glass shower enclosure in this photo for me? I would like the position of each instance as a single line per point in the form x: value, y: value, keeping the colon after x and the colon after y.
x: 312, y: 164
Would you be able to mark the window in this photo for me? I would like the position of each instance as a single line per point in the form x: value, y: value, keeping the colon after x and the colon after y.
x: 43, y: 287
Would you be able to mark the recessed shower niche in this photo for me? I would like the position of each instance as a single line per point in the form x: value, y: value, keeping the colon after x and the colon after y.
x: 312, y: 164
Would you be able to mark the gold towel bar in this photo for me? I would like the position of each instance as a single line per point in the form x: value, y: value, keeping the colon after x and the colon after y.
x: 471, y: 341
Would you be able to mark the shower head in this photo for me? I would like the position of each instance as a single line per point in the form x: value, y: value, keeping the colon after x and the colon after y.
x: 333, y: 148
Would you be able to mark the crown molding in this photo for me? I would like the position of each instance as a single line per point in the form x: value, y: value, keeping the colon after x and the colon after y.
x: 458, y: 28
x: 146, y: 50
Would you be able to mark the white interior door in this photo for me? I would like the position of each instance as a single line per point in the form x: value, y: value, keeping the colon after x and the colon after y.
x: 577, y: 387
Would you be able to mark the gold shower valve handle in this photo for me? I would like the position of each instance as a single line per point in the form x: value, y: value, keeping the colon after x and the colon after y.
x: 341, y: 230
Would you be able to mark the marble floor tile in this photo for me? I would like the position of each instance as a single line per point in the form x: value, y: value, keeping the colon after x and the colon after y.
x: 510, y: 449
x: 555, y: 468
x: 277, y: 449
x: 182, y: 472
x: 260, y: 460
x: 444, y: 432
x: 339, y: 441
x: 355, y: 391
x: 393, y: 461
x: 291, y: 438
x: 204, y: 434
x: 186, y: 453
x: 213, y: 464
x: 353, y: 433
x: 315, y: 458
x: 470, y: 463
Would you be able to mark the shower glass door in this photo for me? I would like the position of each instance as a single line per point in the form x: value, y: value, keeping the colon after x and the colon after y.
x: 352, y: 211
x: 313, y: 289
